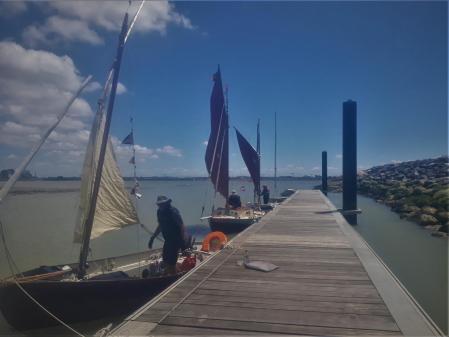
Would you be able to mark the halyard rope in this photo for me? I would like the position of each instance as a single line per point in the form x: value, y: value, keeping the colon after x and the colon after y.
x: 10, y: 260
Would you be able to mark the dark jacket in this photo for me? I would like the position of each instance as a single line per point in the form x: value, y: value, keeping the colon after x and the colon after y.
x: 234, y: 201
x: 266, y: 195
x: 172, y: 226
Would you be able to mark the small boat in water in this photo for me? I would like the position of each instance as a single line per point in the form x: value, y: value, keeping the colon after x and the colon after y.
x: 225, y: 219
x: 91, y: 290
x: 231, y: 221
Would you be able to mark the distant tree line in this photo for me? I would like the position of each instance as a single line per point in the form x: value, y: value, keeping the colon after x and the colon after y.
x: 7, y: 173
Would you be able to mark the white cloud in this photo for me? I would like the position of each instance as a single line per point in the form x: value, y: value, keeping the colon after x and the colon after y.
x: 34, y: 88
x: 93, y: 86
x: 396, y: 161
x: 124, y: 151
x: 205, y: 143
x: 78, y: 21
x: 339, y: 156
x: 57, y: 29
x: 155, y: 15
x: 170, y: 150
x: 121, y: 89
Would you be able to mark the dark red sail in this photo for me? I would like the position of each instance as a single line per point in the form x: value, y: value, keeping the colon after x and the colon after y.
x: 251, y: 159
x: 217, y: 152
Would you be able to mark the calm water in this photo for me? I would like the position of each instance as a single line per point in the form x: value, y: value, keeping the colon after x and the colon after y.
x: 419, y: 260
x: 39, y: 230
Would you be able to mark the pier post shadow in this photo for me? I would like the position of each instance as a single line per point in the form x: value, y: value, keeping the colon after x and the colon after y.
x: 324, y: 172
x: 350, y: 160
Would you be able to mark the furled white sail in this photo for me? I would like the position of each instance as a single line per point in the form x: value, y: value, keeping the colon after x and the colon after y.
x: 114, y: 208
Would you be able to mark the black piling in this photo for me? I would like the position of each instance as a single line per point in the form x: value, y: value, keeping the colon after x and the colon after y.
x: 324, y: 172
x: 350, y: 161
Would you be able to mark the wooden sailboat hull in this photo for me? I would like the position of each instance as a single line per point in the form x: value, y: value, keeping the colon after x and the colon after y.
x: 230, y: 225
x: 230, y: 221
x: 76, y: 301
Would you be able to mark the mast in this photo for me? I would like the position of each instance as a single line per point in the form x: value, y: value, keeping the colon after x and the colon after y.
x: 257, y: 191
x: 225, y: 147
x: 275, y: 154
x: 90, y: 217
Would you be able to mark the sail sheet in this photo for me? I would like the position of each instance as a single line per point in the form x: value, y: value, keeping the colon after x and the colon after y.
x: 114, y: 208
x: 251, y: 159
x: 217, y: 151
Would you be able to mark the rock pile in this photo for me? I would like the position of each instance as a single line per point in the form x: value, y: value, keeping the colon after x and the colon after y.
x: 417, y: 190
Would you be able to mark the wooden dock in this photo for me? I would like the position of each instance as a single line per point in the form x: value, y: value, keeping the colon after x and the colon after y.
x: 329, y: 282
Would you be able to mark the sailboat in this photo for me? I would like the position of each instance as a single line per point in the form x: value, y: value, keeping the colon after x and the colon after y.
x: 223, y: 219
x: 251, y: 157
x: 84, y: 291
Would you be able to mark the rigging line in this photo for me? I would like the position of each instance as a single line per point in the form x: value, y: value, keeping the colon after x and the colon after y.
x: 26, y: 292
x: 23, y: 165
x: 197, y: 286
x: 223, y: 111
x: 215, y: 152
x: 108, y: 82
x: 11, y: 182
x: 225, y: 133
x: 218, y: 134
x: 221, y: 157
x: 150, y: 232
x: 131, y: 120
x: 216, y: 140
x: 133, y: 21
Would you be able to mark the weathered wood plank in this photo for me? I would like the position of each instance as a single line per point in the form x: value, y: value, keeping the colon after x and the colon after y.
x: 272, y: 328
x: 267, y: 315
x: 320, y: 288
x: 282, y: 296
x: 282, y: 304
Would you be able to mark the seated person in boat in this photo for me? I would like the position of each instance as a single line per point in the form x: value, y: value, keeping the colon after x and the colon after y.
x: 234, y: 201
x: 265, y: 194
x: 172, y: 228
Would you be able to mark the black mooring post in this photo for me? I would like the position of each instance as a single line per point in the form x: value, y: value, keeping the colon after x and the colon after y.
x: 350, y: 160
x: 324, y: 172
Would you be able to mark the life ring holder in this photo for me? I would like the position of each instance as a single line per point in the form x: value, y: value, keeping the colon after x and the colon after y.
x: 220, y: 236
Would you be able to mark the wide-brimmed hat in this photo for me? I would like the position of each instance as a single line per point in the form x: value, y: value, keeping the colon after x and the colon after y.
x: 162, y: 199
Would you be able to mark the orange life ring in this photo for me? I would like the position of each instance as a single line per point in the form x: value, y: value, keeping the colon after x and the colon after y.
x: 220, y: 236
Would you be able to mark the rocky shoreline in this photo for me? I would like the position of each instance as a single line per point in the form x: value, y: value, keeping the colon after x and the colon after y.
x: 417, y: 190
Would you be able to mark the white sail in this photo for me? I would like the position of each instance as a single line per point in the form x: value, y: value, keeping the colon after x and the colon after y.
x: 114, y: 208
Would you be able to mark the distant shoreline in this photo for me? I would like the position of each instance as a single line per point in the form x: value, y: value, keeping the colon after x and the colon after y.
x: 72, y: 184
x: 163, y: 178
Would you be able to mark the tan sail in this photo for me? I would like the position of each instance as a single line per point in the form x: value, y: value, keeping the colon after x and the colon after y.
x: 114, y: 209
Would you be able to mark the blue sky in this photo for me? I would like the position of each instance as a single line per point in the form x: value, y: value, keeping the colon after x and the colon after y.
x: 301, y: 59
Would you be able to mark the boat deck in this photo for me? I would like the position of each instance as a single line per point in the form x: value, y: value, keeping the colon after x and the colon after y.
x: 329, y: 282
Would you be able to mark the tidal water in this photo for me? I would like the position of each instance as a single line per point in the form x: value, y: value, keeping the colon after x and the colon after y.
x: 39, y: 229
x: 419, y: 260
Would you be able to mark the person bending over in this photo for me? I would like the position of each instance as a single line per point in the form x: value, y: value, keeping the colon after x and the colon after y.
x: 172, y: 228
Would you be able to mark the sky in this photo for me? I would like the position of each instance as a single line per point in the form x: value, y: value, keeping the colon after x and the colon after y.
x: 299, y: 59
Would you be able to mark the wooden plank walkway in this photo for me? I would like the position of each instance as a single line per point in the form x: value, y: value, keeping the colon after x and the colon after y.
x: 329, y: 282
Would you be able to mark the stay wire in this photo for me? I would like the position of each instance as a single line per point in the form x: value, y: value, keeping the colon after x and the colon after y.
x: 10, y: 260
x: 11, y: 263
